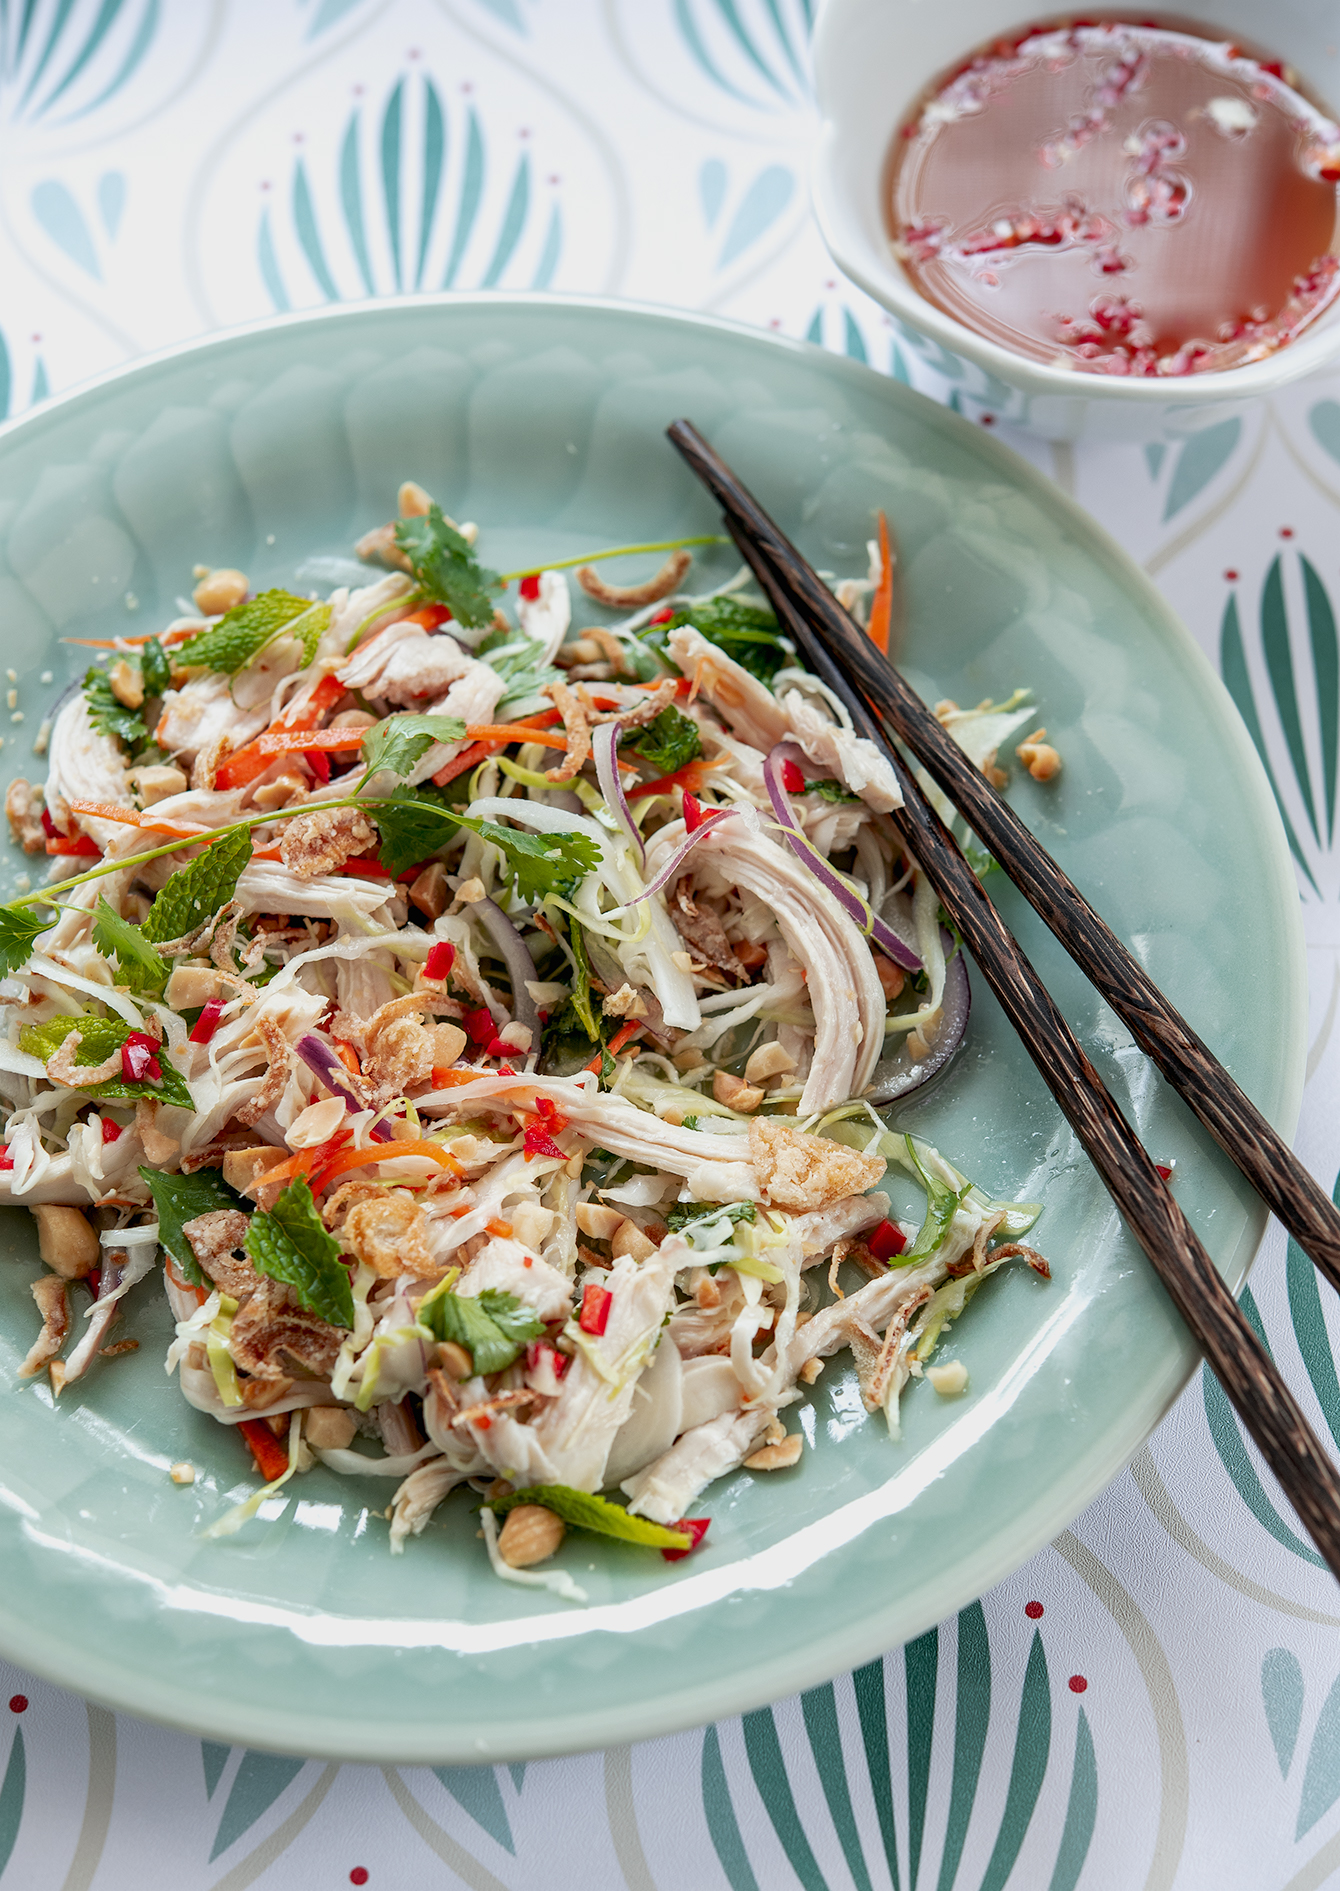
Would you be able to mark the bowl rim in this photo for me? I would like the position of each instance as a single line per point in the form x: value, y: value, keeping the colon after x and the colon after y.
x: 839, y: 216
x: 835, y: 1652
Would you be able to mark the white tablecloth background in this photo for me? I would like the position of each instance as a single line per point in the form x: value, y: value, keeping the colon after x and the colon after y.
x: 1170, y: 1715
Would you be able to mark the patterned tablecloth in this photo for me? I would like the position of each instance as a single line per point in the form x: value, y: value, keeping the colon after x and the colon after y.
x: 1155, y: 1700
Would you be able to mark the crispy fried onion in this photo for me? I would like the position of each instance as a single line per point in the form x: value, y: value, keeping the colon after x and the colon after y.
x: 53, y: 1303
x: 500, y: 1402
x: 874, y: 1359
x: 158, y: 1147
x: 629, y: 597
x: 398, y: 1049
x: 61, y: 1067
x: 268, y: 1325
x: 279, y: 1055
x: 576, y: 726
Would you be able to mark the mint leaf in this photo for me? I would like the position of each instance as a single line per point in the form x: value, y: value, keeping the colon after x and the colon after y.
x: 203, y: 886
x: 447, y: 569
x: 399, y: 742
x: 244, y: 632
x: 155, y: 668
x: 108, y: 716
x: 686, y: 1214
x: 665, y: 743
x: 492, y: 1326
x: 581, y: 990
x: 115, y: 938
x: 179, y: 1199
x: 585, y: 1512
x: 743, y: 631
x: 20, y: 927
x: 290, y: 1244
x: 99, y: 1038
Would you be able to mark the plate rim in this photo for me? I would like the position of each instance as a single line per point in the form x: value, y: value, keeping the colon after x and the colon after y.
x: 363, y: 1738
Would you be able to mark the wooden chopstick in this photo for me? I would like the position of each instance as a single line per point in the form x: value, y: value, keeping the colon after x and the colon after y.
x: 1192, y: 1069
x: 1241, y: 1363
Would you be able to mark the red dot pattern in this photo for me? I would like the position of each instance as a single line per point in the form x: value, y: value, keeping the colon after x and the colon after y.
x: 358, y: 1875
x: 1077, y: 1684
x: 18, y: 1703
x: 1231, y: 577
x: 1033, y: 1610
x: 1286, y: 531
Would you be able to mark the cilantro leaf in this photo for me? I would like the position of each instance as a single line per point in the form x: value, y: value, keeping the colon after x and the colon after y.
x: 20, y: 927
x: 745, y: 632
x: 686, y: 1214
x: 399, y: 742
x: 492, y: 1326
x: 519, y: 660
x: 99, y: 1039
x: 829, y: 790
x: 540, y: 864
x: 666, y: 743
x: 108, y: 716
x: 155, y: 668
x: 414, y: 823
x: 290, y: 1244
x: 243, y: 632
x: 447, y: 569
x: 565, y: 1044
x: 200, y: 889
x: 179, y: 1199
x: 140, y: 966
x: 585, y: 1512
x: 581, y: 991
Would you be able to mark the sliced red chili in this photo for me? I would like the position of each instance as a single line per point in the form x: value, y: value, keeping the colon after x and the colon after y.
x: 530, y: 585
x: 207, y: 1023
x: 111, y: 1132
x: 440, y: 960
x: 693, y: 813
x: 697, y: 1528
x: 538, y: 1142
x: 887, y: 1240
x: 6, y: 1160
x: 661, y: 617
x: 270, y: 1456
x: 479, y: 1025
x: 319, y: 763
x: 792, y: 779
x: 139, y: 1059
x: 595, y: 1314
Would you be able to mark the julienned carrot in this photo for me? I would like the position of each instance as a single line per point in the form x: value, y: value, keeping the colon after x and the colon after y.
x: 452, y: 1079
x: 105, y: 811
x: 515, y: 732
x: 881, y: 606
x: 624, y: 1035
x: 271, y: 1457
x: 236, y: 770
x: 467, y: 759
x: 691, y: 776
x: 385, y: 1152
x: 293, y: 741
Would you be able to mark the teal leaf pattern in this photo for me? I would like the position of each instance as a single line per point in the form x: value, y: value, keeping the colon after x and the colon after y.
x: 1282, y: 1697
x: 1200, y: 458
x: 973, y: 1712
x: 415, y: 200
x: 74, y: 56
x: 755, y: 51
x: 1326, y: 674
x: 722, y: 1823
x: 1321, y: 1779
x: 260, y: 1780
x: 112, y: 201
x: 764, y: 201
x: 818, y: 1708
x: 475, y: 1789
x: 1081, y: 1811
x: 213, y: 1757
x: 1324, y: 421
x: 711, y: 189
x: 59, y: 214
x: 1032, y: 1746
x: 774, y: 1788
x: 853, y: 340
x: 872, y: 1713
x: 1237, y: 681
x: 1279, y: 664
x: 921, y: 1662
x: 12, y: 1793
x: 6, y: 379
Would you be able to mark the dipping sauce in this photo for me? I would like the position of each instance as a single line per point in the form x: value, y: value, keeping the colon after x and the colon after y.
x: 1122, y: 199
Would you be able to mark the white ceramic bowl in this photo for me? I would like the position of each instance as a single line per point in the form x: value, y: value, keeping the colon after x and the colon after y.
x: 873, y: 58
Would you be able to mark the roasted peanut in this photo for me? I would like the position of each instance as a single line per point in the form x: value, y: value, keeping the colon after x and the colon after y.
x: 65, y: 1241
x: 629, y: 1239
x: 769, y: 1060
x: 599, y: 1222
x: 329, y: 1428
x: 734, y: 1093
x: 220, y: 591
x: 127, y: 684
x: 778, y: 1457
x: 530, y: 1534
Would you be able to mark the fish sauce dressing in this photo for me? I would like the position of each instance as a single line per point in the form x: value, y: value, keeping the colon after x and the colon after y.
x: 1120, y: 199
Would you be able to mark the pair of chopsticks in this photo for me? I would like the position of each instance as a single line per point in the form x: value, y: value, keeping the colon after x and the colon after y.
x: 882, y: 706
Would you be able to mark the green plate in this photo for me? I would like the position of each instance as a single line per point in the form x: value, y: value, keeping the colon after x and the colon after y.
x: 542, y: 418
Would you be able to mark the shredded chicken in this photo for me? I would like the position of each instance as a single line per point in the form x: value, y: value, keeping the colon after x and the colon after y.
x: 53, y: 1303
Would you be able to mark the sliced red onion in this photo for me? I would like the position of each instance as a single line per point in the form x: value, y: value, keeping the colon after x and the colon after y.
x: 605, y: 748
x: 875, y: 928
x: 894, y: 1076
x: 515, y: 954
x: 322, y: 1061
x: 685, y: 848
